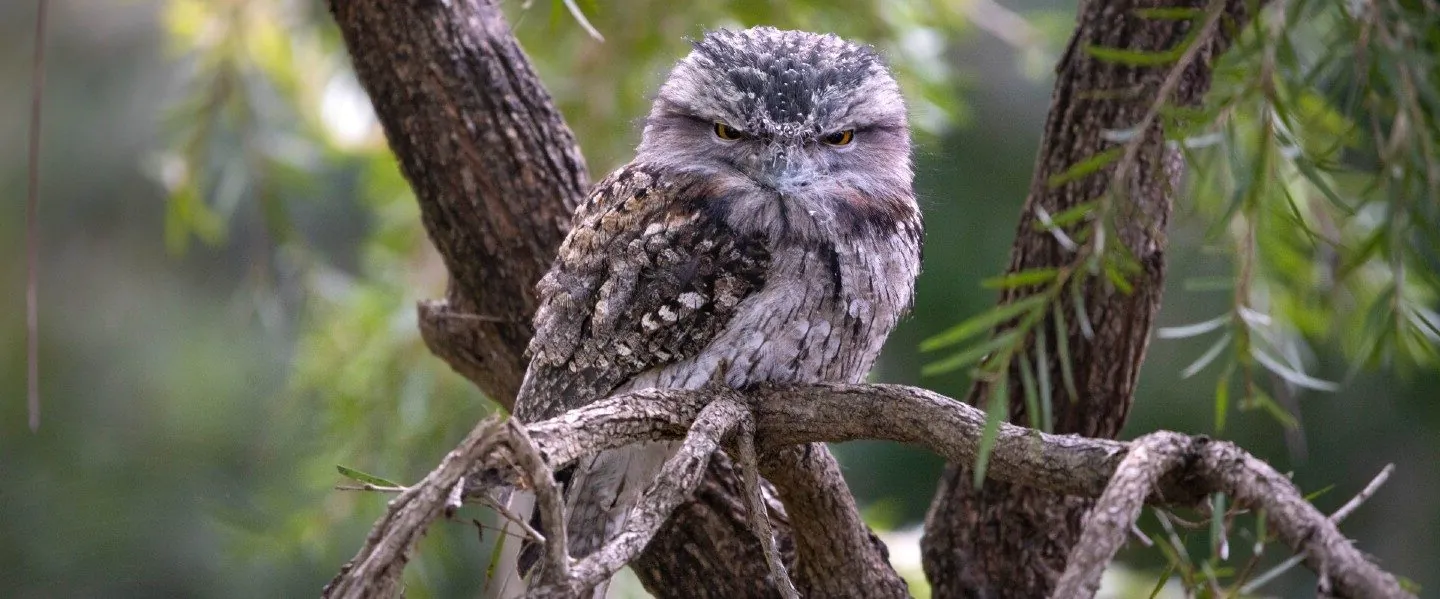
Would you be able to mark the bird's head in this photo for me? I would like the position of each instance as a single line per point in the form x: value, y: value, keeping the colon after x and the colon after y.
x: 798, y: 131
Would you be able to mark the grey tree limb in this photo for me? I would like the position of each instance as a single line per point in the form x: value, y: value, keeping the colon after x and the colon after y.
x: 1164, y: 468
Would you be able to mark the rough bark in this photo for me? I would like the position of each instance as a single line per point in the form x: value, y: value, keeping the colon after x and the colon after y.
x: 497, y: 175
x: 1005, y: 540
x: 496, y: 171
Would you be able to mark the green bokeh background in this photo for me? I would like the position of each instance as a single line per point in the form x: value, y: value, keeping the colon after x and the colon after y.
x: 196, y: 402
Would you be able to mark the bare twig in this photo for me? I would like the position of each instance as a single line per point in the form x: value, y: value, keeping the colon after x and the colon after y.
x: 1116, y: 511
x: 1222, y: 467
x: 759, y: 514
x: 1339, y: 516
x: 1363, y: 496
x: 505, y: 513
x: 676, y: 483
x: 548, y: 501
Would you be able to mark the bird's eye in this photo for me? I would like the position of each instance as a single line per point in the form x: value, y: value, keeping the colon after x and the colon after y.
x: 840, y: 138
x: 726, y: 132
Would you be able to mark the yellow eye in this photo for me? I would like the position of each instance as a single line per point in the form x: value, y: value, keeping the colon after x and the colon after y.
x: 726, y: 132
x: 840, y: 138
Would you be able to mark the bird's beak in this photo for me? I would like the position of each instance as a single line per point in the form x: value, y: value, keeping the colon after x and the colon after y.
x: 783, y: 169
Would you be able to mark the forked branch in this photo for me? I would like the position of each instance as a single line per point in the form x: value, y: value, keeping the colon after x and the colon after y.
x: 1166, y: 468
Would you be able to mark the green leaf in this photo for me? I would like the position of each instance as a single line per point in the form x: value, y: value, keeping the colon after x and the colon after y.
x: 1032, y: 396
x: 1062, y: 349
x: 1042, y: 370
x: 1082, y: 315
x: 1085, y: 167
x: 1169, y: 14
x: 1068, y: 216
x: 1263, y: 400
x: 994, y: 414
x: 1312, y: 496
x: 984, y: 322
x: 1218, y: 543
x: 1222, y: 398
x: 1260, y: 532
x: 362, y: 477
x: 1138, y: 58
x: 495, y: 555
x: 1206, y: 358
x: 1164, y: 578
x: 1117, y: 278
x: 1024, y: 278
x: 1313, y: 175
x: 971, y: 355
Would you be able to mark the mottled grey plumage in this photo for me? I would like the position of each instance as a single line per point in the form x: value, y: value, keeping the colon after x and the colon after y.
x: 779, y: 254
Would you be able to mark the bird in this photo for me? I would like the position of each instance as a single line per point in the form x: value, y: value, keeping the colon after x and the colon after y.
x: 766, y: 231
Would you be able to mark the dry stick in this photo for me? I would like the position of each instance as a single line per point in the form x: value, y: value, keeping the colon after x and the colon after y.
x: 759, y: 514
x: 32, y: 226
x: 375, y: 571
x: 547, y: 500
x: 1219, y: 467
x: 676, y: 483
x: 514, y: 518
x: 1116, y: 511
x: 1339, y: 516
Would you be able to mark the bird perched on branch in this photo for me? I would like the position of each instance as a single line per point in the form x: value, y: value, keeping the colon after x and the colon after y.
x: 767, y: 228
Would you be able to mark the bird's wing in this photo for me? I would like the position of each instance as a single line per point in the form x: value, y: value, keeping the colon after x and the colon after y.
x: 648, y: 276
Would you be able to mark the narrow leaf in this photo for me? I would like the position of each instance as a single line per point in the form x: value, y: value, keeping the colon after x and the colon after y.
x: 971, y: 355
x: 359, y: 476
x: 1137, y: 58
x: 1062, y: 350
x: 1024, y: 278
x: 1068, y: 216
x: 1086, y: 167
x: 983, y: 322
x: 1042, y: 370
x: 1077, y: 297
x: 1169, y: 14
x: 1294, y: 377
x: 1117, y: 279
x: 1222, y: 398
x: 1219, y: 547
x: 1192, y: 330
x: 994, y: 414
x: 1032, y: 396
x: 1206, y: 358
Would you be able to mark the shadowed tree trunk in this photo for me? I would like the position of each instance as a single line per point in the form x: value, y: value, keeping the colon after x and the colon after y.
x: 497, y: 173
x: 1006, y: 540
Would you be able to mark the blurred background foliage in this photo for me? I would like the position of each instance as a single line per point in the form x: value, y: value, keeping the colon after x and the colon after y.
x: 231, y: 259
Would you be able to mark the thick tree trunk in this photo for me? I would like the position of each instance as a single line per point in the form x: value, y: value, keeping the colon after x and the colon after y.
x: 1006, y: 540
x: 497, y: 174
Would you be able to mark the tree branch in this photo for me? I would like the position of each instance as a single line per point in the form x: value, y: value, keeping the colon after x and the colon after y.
x: 1167, y: 468
x: 675, y: 484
